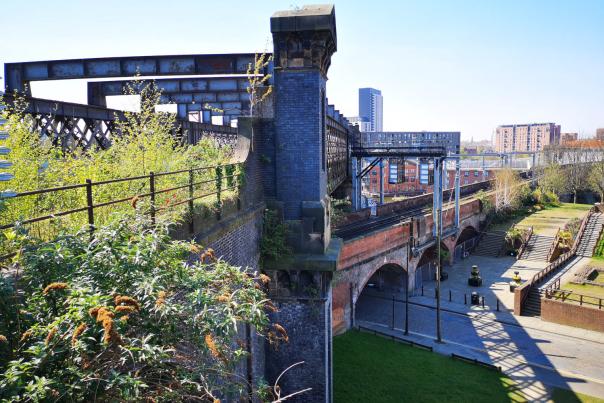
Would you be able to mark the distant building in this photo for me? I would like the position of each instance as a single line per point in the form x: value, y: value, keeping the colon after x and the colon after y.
x: 371, y: 108
x: 526, y: 137
x: 600, y: 134
x: 363, y: 125
x: 411, y: 185
x: 568, y: 137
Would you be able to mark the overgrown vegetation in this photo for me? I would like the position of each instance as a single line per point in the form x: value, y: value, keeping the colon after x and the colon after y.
x: 126, y: 316
x: 339, y: 209
x: 146, y: 144
x: 273, y: 245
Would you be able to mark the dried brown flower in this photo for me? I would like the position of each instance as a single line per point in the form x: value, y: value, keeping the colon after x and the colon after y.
x: 270, y: 306
x: 265, y: 279
x: 282, y: 331
x: 125, y: 309
x: 3, y: 339
x: 223, y: 298
x: 212, y: 346
x: 26, y: 336
x: 134, y: 201
x: 54, y: 286
x: 123, y: 299
x: 161, y: 299
x: 78, y: 332
x: 50, y: 336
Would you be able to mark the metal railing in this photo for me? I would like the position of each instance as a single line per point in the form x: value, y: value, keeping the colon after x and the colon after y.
x: 539, y: 276
x: 553, y: 291
x: 199, y: 183
x: 553, y: 246
x: 525, y: 241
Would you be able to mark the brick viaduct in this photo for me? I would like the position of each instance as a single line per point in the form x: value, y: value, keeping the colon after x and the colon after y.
x: 296, y: 154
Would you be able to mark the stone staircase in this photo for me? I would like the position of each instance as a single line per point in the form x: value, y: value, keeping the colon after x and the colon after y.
x: 490, y: 244
x: 591, y: 235
x: 532, y: 304
x: 537, y: 248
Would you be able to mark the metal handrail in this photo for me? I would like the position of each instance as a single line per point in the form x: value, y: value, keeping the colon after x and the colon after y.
x: 151, y: 180
x: 526, y: 241
x: 553, y: 246
x: 537, y: 277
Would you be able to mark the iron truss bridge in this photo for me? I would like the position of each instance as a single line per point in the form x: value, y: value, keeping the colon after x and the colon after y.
x: 405, y: 144
x: 70, y: 125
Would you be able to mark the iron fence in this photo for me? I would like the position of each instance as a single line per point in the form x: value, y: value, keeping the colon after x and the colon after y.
x: 164, y: 192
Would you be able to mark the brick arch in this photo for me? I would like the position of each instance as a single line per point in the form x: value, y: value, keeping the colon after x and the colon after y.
x: 377, y: 265
x: 463, y: 229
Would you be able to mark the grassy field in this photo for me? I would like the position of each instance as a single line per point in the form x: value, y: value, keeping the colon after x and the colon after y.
x: 369, y: 368
x: 548, y: 220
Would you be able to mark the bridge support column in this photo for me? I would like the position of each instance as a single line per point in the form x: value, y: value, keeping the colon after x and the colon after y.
x: 304, y: 41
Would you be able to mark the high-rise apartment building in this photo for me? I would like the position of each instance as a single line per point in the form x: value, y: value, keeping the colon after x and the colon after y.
x: 526, y: 137
x: 371, y: 108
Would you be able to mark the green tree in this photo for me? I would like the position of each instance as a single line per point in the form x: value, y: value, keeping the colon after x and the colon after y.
x: 596, y: 178
x: 553, y: 179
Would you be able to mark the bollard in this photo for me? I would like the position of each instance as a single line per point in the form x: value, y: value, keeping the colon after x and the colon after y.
x: 435, y: 294
x: 465, y: 299
x: 497, y: 304
x: 449, y: 295
x: 392, y: 327
x: 483, y: 302
x: 422, y: 290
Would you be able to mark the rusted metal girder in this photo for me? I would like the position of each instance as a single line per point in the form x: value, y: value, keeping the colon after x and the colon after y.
x: 214, y: 96
x: 18, y: 75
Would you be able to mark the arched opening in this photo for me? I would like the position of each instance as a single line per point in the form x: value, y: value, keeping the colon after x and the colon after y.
x: 426, y: 266
x: 466, y: 241
x: 386, y: 287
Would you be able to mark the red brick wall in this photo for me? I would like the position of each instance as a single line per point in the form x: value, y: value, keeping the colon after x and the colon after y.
x: 572, y: 315
x: 372, y: 245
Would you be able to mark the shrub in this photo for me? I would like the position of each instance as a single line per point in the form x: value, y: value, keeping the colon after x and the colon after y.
x: 128, y: 315
x: 146, y: 144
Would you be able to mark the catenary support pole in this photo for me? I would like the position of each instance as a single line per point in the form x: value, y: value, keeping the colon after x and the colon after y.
x: 457, y: 190
x: 438, y: 227
x: 381, y: 181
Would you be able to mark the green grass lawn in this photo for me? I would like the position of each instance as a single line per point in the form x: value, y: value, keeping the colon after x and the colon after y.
x: 546, y: 221
x: 370, y: 368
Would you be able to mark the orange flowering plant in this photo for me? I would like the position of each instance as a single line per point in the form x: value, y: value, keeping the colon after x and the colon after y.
x: 129, y: 315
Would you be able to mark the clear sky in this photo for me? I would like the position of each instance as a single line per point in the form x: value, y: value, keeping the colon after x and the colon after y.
x: 441, y: 65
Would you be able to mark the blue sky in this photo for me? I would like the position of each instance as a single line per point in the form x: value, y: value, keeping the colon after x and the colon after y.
x: 441, y: 65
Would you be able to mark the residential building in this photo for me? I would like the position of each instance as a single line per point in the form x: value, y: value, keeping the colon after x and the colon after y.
x: 568, y: 137
x: 526, y: 137
x: 600, y: 134
x: 371, y: 108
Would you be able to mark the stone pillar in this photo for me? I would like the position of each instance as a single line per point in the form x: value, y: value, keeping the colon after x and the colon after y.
x: 304, y: 41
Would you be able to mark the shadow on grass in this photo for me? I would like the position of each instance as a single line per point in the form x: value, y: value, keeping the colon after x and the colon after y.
x: 369, y: 368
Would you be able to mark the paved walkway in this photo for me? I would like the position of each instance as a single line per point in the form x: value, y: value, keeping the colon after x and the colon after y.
x: 496, y: 275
